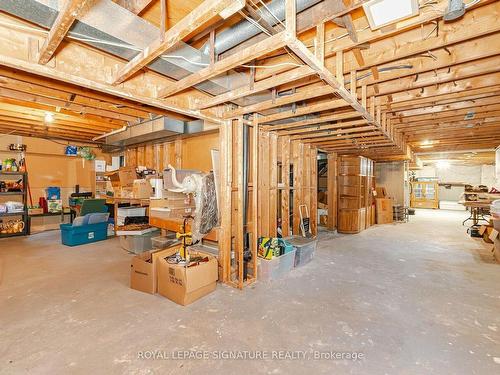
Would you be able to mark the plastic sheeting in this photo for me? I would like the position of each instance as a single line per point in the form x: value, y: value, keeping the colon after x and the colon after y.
x: 207, y: 215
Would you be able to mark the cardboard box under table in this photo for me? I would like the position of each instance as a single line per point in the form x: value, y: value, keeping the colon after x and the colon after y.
x: 184, y: 285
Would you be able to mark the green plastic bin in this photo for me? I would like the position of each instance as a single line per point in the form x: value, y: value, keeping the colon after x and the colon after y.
x: 80, y: 235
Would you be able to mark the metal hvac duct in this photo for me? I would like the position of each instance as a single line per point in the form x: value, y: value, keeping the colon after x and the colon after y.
x: 157, y: 128
x: 245, y: 30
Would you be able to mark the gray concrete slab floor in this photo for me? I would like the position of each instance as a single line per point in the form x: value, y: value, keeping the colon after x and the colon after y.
x: 415, y: 298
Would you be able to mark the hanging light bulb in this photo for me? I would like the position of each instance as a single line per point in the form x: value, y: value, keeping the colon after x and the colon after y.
x: 49, y: 117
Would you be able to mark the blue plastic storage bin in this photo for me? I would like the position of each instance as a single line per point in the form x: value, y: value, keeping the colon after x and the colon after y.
x: 53, y: 192
x: 80, y: 235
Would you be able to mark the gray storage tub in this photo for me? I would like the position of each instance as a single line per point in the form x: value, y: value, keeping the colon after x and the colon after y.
x: 275, y: 268
x: 304, y: 249
x: 138, y: 243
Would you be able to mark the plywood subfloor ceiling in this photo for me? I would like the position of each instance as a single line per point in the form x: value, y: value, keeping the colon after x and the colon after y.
x: 321, y: 76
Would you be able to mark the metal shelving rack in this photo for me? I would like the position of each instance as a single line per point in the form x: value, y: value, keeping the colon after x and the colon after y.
x: 24, y: 194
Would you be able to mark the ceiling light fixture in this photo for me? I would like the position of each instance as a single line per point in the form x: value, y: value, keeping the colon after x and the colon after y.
x: 49, y: 117
x: 384, y: 12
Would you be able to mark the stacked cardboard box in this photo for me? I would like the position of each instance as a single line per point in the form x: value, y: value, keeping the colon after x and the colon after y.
x: 173, y: 206
x: 151, y: 273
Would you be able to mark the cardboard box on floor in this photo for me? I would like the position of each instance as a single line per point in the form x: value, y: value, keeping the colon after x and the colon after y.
x: 143, y: 269
x: 184, y: 285
x: 496, y: 245
x: 384, y: 210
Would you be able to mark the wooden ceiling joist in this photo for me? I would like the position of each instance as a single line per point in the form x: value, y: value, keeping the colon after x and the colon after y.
x: 199, y: 18
x: 135, y: 6
x: 67, y: 15
x: 262, y: 48
x: 255, y: 88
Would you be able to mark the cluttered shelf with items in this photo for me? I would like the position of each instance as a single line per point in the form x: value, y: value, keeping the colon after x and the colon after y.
x: 14, y: 219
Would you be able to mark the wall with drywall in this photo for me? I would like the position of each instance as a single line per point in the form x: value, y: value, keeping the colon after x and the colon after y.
x: 467, y: 174
x: 459, y: 174
x: 393, y: 177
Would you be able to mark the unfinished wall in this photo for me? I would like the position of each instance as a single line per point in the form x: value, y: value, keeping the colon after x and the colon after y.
x: 48, y: 166
x: 393, y: 177
x: 192, y: 152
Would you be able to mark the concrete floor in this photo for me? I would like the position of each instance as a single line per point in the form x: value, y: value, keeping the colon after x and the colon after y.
x: 417, y: 298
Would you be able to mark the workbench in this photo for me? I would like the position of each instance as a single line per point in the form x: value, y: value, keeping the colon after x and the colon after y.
x: 143, y: 202
x: 475, y: 208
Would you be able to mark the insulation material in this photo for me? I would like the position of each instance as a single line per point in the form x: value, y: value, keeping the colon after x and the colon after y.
x: 207, y: 215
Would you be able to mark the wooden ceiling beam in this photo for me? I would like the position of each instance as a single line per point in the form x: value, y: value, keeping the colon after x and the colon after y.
x: 196, y: 20
x: 338, y: 125
x: 255, y: 88
x: 262, y: 48
x: 414, y: 42
x: 445, y: 98
x: 301, y: 94
x: 67, y: 15
x: 466, y: 70
x: 77, y: 66
x: 443, y: 116
x: 311, y: 122
x: 70, y: 130
x: 135, y: 6
x: 54, y: 105
x: 361, y: 131
x: 428, y: 109
x: 301, y: 111
x: 22, y: 110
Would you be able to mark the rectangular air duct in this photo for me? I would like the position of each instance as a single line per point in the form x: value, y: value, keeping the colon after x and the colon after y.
x: 161, y: 127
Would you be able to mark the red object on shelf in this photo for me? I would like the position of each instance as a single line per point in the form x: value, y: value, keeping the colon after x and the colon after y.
x: 42, y: 203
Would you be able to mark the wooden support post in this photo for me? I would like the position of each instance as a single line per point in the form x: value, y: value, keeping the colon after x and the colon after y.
x: 339, y: 67
x: 332, y: 191
x: 372, y: 106
x: 273, y: 184
x: 225, y: 166
x: 212, y: 48
x: 319, y: 48
x: 285, y: 193
x: 264, y: 184
x: 353, y: 85
x: 255, y: 189
x: 363, y: 96
x: 178, y: 153
x: 298, y: 169
x: 240, y: 230
x: 314, y: 191
x: 306, y: 181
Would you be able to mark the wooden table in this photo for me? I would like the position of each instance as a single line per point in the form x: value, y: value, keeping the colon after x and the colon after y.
x: 174, y: 225
x: 143, y: 202
x: 475, y: 208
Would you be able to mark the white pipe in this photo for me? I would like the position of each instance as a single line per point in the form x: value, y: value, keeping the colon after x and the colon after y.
x: 116, y: 131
